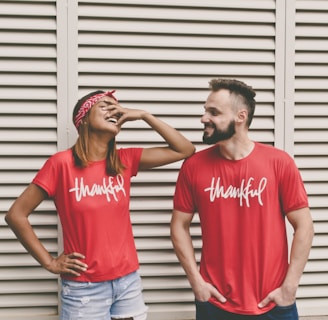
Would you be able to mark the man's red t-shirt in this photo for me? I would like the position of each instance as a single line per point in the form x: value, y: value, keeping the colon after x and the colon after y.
x: 242, y: 206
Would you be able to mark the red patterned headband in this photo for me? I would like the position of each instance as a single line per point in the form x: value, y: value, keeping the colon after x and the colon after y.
x: 86, y: 106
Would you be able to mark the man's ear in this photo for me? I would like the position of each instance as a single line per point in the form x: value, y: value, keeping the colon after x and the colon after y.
x: 242, y: 116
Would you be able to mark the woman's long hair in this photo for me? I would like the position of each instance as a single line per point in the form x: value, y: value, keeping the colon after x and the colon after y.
x: 80, y: 149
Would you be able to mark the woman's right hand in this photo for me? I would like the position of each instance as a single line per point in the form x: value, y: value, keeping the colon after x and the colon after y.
x: 69, y: 264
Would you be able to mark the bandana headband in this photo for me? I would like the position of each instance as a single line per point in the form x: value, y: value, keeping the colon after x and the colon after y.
x: 86, y: 106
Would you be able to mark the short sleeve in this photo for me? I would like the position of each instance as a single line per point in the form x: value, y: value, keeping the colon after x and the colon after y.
x: 131, y: 157
x: 47, y: 177
x: 292, y: 192
x: 183, y: 196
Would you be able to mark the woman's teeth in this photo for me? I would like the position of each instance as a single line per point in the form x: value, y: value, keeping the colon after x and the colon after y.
x: 112, y: 120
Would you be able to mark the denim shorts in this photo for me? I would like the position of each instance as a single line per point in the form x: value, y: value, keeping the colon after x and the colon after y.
x: 119, y: 298
x: 207, y: 311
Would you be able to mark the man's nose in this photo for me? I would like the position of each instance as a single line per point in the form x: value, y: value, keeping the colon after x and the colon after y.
x: 204, y: 118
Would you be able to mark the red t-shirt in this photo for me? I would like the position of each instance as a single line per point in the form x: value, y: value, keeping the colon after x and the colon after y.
x: 242, y: 206
x: 94, y: 212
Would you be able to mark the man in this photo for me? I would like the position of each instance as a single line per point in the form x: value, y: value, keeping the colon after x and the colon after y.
x: 243, y: 191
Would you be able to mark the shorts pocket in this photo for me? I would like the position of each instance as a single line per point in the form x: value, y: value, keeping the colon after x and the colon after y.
x: 75, y: 284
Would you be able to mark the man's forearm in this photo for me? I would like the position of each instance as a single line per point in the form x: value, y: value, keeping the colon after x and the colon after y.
x: 300, y: 248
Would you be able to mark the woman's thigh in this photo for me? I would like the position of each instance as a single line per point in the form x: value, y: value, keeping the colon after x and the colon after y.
x: 120, y: 298
x: 128, y: 300
x: 84, y: 300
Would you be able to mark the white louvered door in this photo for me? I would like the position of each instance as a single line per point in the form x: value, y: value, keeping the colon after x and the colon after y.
x: 160, y: 56
x: 28, y: 131
x: 311, y: 142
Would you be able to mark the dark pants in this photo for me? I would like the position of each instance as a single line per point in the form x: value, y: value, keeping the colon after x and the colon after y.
x: 207, y: 311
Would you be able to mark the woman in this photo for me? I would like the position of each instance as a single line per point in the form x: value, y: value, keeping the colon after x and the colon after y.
x: 90, y: 186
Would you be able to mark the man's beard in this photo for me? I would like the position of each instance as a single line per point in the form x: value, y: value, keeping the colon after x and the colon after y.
x: 220, y: 135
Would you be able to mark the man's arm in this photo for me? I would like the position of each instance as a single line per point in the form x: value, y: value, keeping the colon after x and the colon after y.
x: 182, y: 242
x: 302, y: 241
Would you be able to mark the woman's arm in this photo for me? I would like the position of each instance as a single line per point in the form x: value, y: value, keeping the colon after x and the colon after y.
x: 17, y: 219
x: 178, y: 146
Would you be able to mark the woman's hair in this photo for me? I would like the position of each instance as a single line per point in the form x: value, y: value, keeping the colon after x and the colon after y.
x: 80, y: 148
x: 238, y: 89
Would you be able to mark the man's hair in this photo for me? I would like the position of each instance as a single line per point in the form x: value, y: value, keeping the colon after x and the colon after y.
x: 239, y: 89
x: 80, y: 149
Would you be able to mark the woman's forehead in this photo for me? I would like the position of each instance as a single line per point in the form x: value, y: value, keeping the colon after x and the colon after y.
x: 107, y: 100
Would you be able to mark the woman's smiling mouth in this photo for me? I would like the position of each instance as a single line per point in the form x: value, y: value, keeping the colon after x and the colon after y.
x: 112, y: 120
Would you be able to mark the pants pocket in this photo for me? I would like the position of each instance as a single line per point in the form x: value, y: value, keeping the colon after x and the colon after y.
x: 284, y: 312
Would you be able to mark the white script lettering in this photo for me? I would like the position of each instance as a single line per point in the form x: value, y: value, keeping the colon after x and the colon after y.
x: 244, y: 192
x: 107, y: 188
